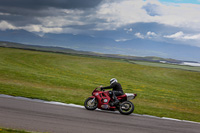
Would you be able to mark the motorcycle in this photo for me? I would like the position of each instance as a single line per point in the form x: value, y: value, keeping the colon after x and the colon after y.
x: 102, y: 100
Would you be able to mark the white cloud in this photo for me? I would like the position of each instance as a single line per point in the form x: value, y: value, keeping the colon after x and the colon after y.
x: 120, y: 13
x: 192, y: 37
x: 5, y: 25
x: 128, y: 30
x: 59, y: 24
x: 60, y: 21
x: 180, y: 15
x: 181, y: 36
x: 40, y: 28
x: 122, y: 40
x: 32, y: 28
x: 151, y: 34
x: 139, y: 35
x: 67, y: 17
x: 177, y: 35
x: 112, y: 14
x: 124, y: 12
x: 5, y: 14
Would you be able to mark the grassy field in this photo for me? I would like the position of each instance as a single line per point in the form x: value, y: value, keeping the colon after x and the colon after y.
x: 163, y: 92
x: 5, y: 130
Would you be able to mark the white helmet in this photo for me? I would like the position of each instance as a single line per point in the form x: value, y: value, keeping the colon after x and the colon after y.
x: 113, y: 80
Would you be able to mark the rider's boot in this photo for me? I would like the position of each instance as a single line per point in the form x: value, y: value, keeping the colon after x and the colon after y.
x: 116, y: 101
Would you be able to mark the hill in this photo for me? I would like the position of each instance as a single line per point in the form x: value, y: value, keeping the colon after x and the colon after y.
x: 72, y: 51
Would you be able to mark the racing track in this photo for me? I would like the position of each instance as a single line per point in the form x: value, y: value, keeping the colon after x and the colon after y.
x: 32, y: 115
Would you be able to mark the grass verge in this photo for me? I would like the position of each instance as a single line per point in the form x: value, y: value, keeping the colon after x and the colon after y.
x: 5, y: 130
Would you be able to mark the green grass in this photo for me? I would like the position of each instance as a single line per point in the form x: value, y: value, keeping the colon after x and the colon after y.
x: 162, y: 92
x: 5, y: 130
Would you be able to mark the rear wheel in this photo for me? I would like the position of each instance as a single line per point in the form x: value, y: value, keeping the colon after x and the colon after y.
x: 91, y: 103
x: 126, y: 108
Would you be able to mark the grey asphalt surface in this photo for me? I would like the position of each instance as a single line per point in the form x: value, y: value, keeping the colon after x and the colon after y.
x: 42, y: 117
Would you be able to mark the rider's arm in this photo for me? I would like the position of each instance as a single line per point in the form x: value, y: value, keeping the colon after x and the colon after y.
x: 107, y: 87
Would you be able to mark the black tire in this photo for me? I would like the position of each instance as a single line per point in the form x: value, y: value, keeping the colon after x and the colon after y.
x: 90, y: 106
x: 126, y: 108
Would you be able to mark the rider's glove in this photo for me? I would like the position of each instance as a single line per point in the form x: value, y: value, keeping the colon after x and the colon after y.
x: 101, y: 88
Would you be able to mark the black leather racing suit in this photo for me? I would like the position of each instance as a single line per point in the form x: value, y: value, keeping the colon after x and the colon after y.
x: 116, y: 91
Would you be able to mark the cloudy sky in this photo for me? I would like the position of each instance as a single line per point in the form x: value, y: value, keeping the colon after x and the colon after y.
x: 90, y: 16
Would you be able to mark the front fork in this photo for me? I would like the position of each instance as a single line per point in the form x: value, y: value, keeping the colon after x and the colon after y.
x: 93, y: 100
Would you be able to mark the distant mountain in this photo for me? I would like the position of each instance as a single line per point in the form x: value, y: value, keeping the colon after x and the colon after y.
x: 80, y: 42
x: 20, y: 36
x: 105, y: 42
x: 164, y: 49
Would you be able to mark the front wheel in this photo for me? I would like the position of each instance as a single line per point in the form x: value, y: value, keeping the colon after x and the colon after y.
x: 126, y: 108
x: 91, y: 103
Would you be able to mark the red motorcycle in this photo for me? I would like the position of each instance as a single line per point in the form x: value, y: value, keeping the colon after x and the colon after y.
x: 102, y: 100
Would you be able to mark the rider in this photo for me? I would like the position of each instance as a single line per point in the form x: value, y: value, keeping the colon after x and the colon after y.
x: 116, y: 91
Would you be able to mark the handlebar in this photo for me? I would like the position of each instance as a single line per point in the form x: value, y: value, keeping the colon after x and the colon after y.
x: 99, y: 88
